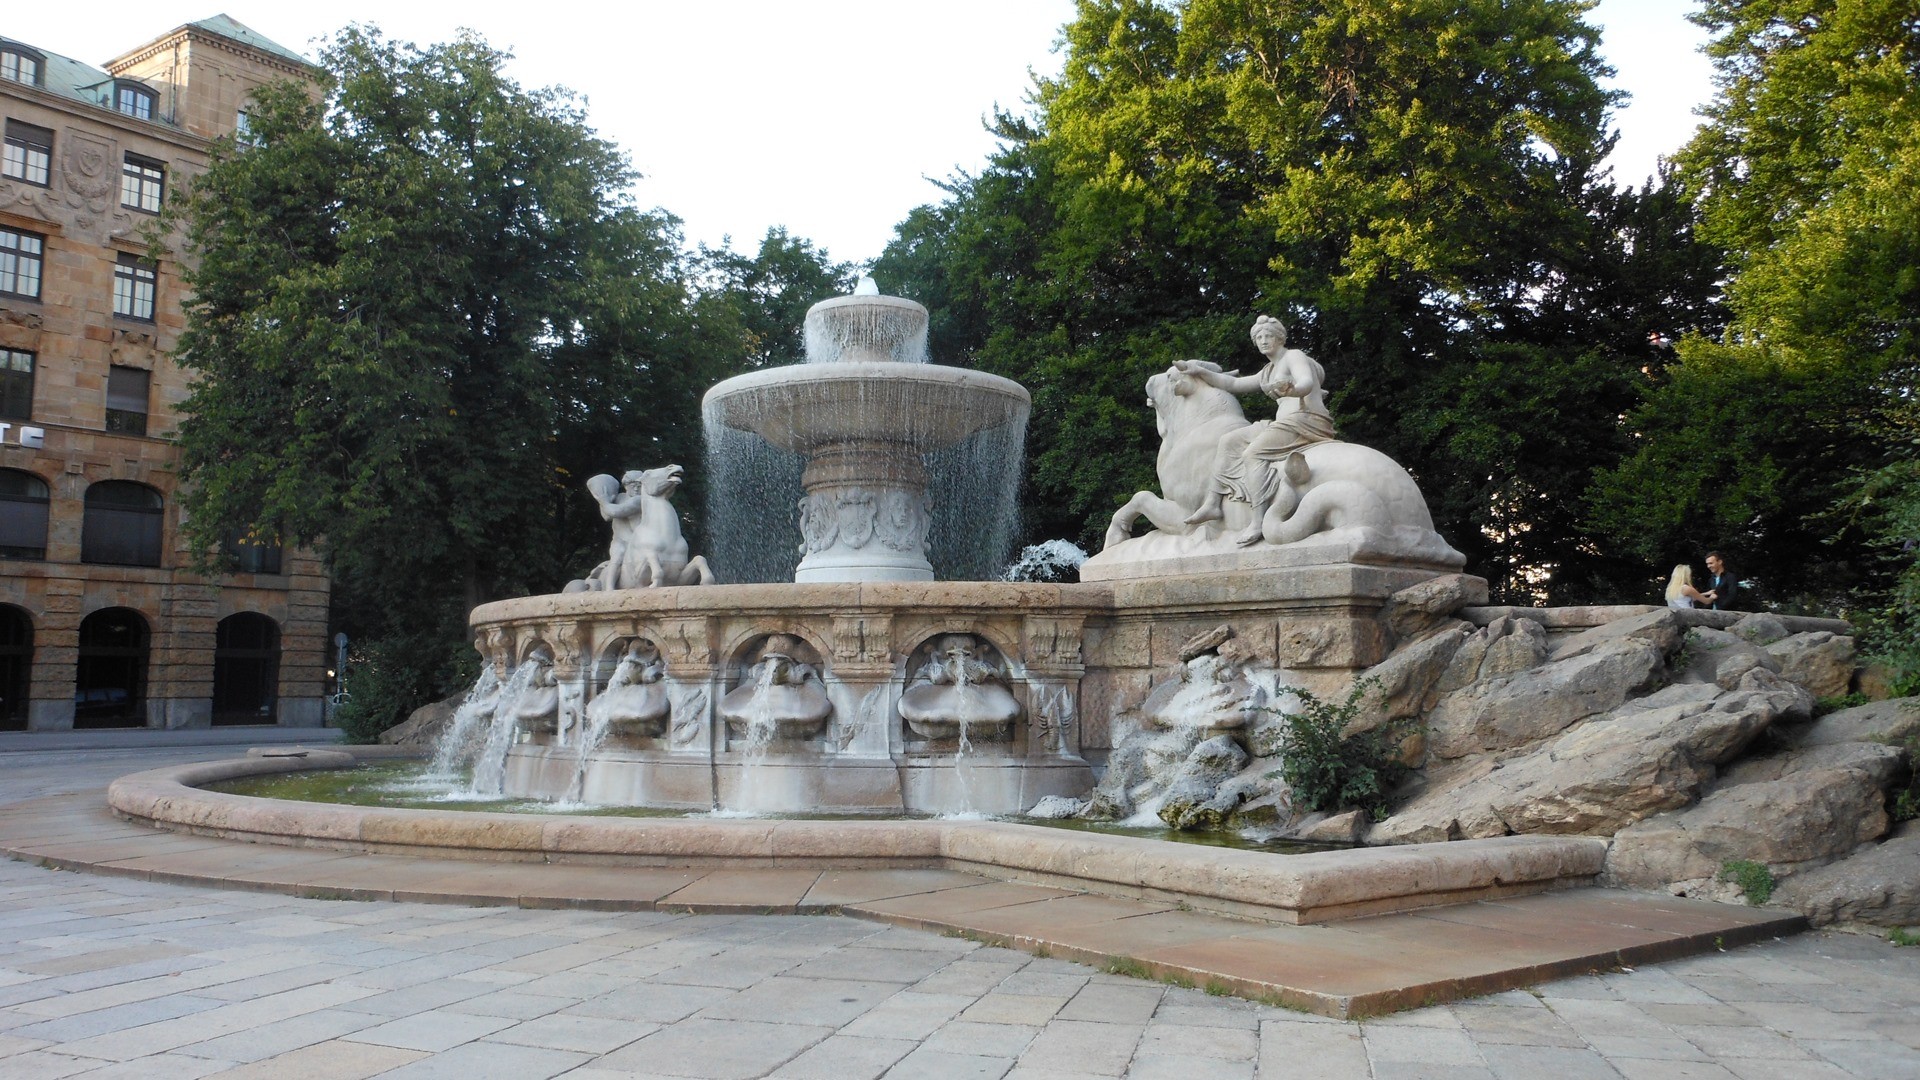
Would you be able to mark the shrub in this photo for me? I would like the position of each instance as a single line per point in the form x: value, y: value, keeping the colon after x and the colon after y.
x: 1330, y: 771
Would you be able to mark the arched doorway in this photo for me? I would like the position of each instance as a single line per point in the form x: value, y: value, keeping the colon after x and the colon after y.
x: 16, y: 666
x: 246, y: 669
x: 110, y: 679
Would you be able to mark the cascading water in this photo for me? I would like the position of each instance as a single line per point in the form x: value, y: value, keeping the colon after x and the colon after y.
x: 762, y: 726
x: 967, y: 708
x: 911, y: 470
x: 592, y: 738
x: 458, y: 744
x: 490, y: 768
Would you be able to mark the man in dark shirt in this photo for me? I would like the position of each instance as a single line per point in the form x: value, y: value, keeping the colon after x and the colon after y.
x: 1721, y: 584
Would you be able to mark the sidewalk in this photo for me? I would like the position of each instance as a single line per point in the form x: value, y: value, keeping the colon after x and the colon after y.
x: 163, y: 738
x: 109, y: 977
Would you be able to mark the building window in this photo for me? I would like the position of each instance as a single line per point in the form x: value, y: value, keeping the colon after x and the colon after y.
x: 133, y: 99
x: 23, y: 515
x: 122, y: 524
x: 251, y: 552
x: 141, y: 182
x: 243, y: 129
x: 134, y: 279
x: 127, y: 400
x: 19, y: 65
x: 21, y: 254
x: 29, y: 153
x: 16, y: 384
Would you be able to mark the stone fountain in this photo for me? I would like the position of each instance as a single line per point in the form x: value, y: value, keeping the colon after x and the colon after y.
x: 864, y: 685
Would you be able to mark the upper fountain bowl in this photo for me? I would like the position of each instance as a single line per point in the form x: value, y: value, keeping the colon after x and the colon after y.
x: 807, y: 406
x: 866, y: 327
x: 866, y: 380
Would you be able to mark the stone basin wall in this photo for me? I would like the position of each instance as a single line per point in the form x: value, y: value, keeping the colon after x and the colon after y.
x: 1076, y: 655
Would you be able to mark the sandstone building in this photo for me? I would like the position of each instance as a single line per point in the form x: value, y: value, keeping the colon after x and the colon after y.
x: 102, y: 620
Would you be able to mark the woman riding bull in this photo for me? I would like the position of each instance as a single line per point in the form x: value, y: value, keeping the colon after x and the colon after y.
x: 1248, y: 461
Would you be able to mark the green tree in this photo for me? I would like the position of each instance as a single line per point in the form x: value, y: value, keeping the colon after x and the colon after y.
x: 1807, y: 174
x: 772, y: 291
x: 423, y: 311
x: 1411, y: 186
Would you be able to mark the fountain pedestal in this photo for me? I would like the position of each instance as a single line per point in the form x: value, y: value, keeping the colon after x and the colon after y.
x: 865, y: 514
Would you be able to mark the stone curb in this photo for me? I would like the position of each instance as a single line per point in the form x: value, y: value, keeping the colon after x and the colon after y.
x: 1313, y: 887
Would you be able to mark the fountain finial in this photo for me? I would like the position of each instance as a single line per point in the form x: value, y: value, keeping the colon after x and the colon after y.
x: 866, y: 287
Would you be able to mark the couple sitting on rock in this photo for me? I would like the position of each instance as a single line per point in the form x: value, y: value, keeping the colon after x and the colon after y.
x: 1721, y: 586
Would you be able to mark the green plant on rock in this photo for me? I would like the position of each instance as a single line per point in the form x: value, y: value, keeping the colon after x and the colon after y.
x: 1329, y: 769
x: 1900, y: 936
x: 1837, y: 702
x: 1755, y: 880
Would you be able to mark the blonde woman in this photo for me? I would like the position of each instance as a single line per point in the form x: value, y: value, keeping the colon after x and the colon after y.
x: 1680, y: 590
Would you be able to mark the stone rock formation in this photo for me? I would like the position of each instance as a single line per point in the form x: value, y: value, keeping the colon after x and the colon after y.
x: 1690, y: 744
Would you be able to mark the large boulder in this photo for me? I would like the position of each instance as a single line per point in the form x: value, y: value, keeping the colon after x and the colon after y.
x: 426, y: 724
x: 1602, y: 776
x: 1720, y: 657
x: 1199, y: 796
x: 1518, y: 710
x: 1406, y: 683
x: 1760, y: 628
x: 1878, y: 721
x: 1506, y: 646
x: 1662, y: 629
x: 1141, y: 768
x: 1819, y: 660
x: 1415, y: 610
x: 1880, y: 885
x: 1789, y: 811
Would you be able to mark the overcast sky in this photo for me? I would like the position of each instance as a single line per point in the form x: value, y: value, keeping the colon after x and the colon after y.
x: 827, y: 117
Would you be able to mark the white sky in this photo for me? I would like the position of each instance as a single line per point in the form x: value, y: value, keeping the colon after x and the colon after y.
x: 825, y: 117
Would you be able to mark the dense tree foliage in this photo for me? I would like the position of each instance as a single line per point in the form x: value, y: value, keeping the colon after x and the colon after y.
x: 424, y: 310
x: 1412, y: 187
x: 1807, y: 173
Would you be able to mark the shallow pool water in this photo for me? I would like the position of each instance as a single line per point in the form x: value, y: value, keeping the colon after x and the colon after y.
x: 410, y: 785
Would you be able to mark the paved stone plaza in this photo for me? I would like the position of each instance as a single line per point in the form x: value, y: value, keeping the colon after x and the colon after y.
x: 109, y: 977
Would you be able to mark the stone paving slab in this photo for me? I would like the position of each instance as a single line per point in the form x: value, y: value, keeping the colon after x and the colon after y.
x: 1363, y: 966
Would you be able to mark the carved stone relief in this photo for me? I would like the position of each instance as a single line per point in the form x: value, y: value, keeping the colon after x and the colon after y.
x: 136, y: 348
x: 861, y: 641
x: 852, y: 517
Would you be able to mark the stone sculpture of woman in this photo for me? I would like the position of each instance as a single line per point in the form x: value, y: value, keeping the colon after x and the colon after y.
x: 1249, y: 461
x: 635, y: 700
x: 956, y: 691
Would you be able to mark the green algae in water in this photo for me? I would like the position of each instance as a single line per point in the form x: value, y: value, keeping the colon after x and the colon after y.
x: 407, y: 785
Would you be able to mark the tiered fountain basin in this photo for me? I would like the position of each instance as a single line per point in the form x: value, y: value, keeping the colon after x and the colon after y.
x: 1304, y: 888
x: 1070, y: 656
